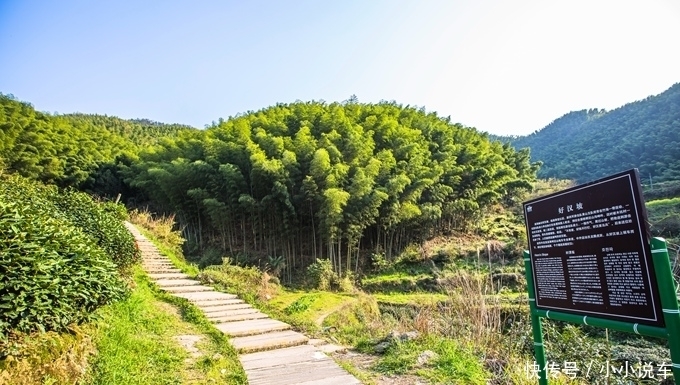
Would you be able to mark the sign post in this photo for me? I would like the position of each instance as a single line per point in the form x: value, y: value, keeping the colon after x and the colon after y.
x: 590, y: 262
x: 669, y: 301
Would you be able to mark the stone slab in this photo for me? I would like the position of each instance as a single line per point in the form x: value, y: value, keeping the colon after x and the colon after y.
x: 251, y: 327
x: 220, y: 302
x: 176, y: 282
x: 294, y: 365
x: 159, y: 276
x: 218, y: 306
x: 215, y: 314
x: 207, y: 296
x: 161, y: 270
x: 268, y: 341
x: 238, y: 317
x: 187, y: 289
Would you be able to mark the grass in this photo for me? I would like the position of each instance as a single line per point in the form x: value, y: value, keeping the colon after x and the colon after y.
x: 46, y: 358
x: 363, y: 376
x: 311, y: 305
x: 136, y: 343
x: 452, y: 362
x: 664, y: 218
x: 411, y: 298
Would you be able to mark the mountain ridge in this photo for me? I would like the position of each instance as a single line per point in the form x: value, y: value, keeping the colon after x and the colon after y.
x: 591, y: 143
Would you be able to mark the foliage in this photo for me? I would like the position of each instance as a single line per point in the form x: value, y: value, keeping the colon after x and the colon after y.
x: 161, y: 227
x: 301, y: 304
x: 358, y: 322
x: 663, y: 190
x: 314, y: 180
x: 589, y: 144
x: 321, y: 275
x: 72, y: 150
x: 54, y: 273
x: 664, y: 217
x: 103, y: 224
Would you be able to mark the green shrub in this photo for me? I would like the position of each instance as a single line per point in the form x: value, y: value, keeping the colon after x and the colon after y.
x: 105, y: 228
x: 53, y: 273
x: 321, y: 274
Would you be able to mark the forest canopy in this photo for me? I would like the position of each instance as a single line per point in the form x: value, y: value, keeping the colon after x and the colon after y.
x: 293, y: 181
x: 327, y: 180
x: 72, y: 150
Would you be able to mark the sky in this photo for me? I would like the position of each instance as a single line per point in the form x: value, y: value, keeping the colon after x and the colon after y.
x: 504, y: 67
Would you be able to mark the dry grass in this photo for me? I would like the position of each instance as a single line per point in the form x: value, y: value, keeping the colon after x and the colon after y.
x: 47, y: 358
x: 472, y: 314
x: 163, y: 227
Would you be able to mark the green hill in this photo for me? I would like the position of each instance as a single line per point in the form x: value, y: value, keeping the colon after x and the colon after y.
x: 589, y: 144
x: 70, y: 150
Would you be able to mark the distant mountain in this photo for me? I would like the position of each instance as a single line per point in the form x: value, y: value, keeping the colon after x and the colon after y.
x: 78, y: 150
x: 589, y: 144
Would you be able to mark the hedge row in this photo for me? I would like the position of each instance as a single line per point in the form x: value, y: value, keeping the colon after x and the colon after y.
x: 60, y: 255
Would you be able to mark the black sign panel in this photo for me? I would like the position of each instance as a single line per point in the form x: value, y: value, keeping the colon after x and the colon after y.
x: 590, y: 251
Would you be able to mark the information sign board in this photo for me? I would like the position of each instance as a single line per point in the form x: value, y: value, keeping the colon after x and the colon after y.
x: 590, y: 251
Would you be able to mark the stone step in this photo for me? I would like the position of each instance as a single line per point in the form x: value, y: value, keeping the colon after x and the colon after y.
x: 159, y: 276
x: 218, y: 306
x: 294, y: 365
x: 316, y: 342
x: 188, y: 289
x: 158, y: 264
x: 331, y: 348
x: 221, y: 313
x: 176, y: 282
x: 238, y: 317
x: 154, y: 259
x: 161, y: 270
x: 209, y: 296
x: 251, y: 327
x: 268, y: 341
x: 202, y: 304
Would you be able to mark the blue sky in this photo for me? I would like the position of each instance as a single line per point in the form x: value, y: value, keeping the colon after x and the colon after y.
x: 505, y: 67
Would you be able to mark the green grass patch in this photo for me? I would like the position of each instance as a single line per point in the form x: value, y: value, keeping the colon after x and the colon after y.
x: 664, y: 202
x: 399, y: 281
x: 136, y: 344
x: 306, y: 311
x: 249, y: 283
x: 452, y: 364
x: 411, y: 298
x: 358, y: 323
x: 664, y: 217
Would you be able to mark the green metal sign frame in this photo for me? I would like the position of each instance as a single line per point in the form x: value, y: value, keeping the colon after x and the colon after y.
x: 669, y: 303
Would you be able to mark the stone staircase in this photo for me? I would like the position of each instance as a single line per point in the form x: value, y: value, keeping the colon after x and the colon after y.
x: 270, y: 352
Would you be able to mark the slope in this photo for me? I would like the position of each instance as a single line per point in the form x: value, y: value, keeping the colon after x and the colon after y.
x: 589, y: 144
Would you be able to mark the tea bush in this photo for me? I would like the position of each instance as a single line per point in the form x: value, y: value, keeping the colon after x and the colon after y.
x: 103, y: 223
x: 53, y: 272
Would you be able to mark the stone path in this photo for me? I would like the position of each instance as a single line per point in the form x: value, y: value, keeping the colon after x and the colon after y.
x: 270, y: 352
